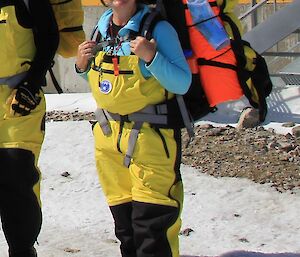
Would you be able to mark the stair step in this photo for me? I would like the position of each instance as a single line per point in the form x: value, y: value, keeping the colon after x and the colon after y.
x: 291, y: 79
x: 278, y: 26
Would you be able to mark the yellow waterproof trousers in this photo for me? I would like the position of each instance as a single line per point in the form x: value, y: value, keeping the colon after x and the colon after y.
x: 146, y: 198
x: 21, y: 138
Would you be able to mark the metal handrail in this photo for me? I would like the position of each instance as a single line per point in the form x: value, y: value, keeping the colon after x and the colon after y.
x: 291, y: 78
x: 281, y: 73
x: 252, y: 9
x: 281, y: 54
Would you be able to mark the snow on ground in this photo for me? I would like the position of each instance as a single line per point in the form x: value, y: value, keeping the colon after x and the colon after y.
x: 225, y: 214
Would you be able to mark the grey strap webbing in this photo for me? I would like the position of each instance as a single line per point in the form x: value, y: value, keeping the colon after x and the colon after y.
x: 103, y: 121
x: 132, y: 142
x: 14, y: 80
x: 185, y: 117
x: 151, y: 114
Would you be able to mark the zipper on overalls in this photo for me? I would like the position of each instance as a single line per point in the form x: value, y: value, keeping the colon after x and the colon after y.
x: 115, y: 50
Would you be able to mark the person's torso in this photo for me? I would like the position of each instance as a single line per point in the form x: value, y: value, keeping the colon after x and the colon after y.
x: 117, y: 76
x: 118, y: 85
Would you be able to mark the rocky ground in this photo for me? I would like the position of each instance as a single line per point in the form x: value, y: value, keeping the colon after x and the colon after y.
x: 257, y: 154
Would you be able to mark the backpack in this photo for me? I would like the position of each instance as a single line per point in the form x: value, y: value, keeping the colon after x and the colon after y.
x: 193, y: 105
x: 69, y: 17
x: 239, y: 63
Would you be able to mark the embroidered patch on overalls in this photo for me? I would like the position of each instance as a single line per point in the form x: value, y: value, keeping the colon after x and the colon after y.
x: 105, y: 87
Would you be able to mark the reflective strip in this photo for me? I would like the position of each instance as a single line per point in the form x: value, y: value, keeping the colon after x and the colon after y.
x: 14, y: 80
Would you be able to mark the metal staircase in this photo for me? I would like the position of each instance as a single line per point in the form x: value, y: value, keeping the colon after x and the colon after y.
x: 272, y: 38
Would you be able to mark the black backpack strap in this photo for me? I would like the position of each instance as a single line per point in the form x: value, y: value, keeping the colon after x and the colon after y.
x: 259, y: 76
x: 148, y: 23
x: 146, y: 28
x: 54, y: 80
x: 222, y: 6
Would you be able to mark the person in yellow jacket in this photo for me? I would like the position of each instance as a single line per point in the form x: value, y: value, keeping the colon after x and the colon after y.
x: 29, y: 39
x: 137, y: 149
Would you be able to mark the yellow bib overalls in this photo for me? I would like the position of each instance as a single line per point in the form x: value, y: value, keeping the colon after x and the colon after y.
x: 20, y: 138
x: 146, y: 197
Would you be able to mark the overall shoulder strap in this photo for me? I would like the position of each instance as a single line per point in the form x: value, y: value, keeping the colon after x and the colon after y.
x: 95, y: 35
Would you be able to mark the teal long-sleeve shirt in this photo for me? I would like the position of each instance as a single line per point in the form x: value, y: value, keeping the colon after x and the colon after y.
x: 169, y: 65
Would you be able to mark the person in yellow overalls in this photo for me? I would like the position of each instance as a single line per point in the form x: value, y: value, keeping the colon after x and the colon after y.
x: 137, y: 146
x: 29, y: 39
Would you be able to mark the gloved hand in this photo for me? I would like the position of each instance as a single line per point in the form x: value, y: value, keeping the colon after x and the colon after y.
x: 23, y: 100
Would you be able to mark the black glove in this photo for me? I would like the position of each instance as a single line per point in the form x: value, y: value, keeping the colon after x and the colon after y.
x: 25, y: 99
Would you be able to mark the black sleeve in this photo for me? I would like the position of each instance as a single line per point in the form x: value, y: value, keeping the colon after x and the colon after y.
x: 46, y: 38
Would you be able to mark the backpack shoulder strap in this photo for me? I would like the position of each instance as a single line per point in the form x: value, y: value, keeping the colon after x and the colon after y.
x: 150, y: 20
x: 148, y: 24
x: 51, y: 73
x: 146, y: 28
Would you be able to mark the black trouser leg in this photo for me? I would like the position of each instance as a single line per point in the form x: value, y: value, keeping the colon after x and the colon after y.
x: 19, y: 207
x: 151, y: 223
x: 142, y: 228
x: 123, y: 228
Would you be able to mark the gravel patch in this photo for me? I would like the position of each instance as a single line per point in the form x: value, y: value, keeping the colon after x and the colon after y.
x: 260, y: 155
